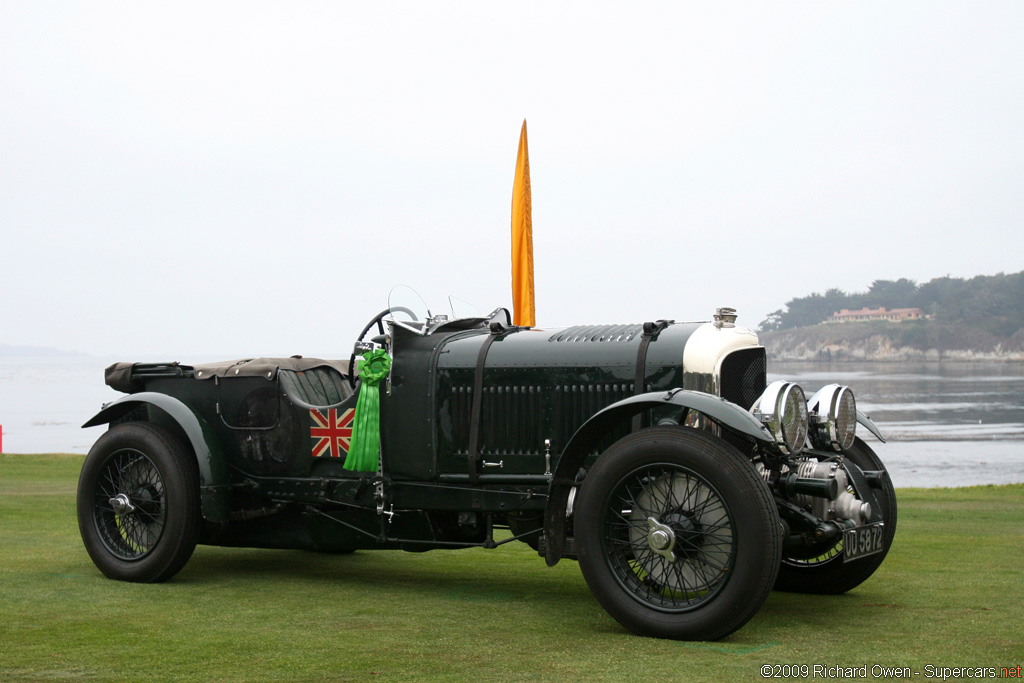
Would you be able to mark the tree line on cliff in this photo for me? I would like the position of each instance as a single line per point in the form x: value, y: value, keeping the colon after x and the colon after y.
x: 992, y: 303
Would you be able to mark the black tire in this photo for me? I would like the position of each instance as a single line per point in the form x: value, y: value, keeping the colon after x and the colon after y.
x: 138, y: 503
x: 723, y: 524
x: 827, y: 574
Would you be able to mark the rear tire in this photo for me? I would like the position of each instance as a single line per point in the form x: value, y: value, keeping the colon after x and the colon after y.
x: 138, y: 503
x: 828, y: 574
x: 676, y: 534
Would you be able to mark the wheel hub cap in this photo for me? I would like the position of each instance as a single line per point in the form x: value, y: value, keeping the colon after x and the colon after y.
x: 661, y: 539
x: 121, y: 504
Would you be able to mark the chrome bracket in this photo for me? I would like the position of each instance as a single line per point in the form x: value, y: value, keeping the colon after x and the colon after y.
x: 121, y: 504
x: 661, y: 539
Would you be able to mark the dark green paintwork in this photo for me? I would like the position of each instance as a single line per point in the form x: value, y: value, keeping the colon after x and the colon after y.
x: 262, y: 486
x: 547, y: 388
x: 172, y: 413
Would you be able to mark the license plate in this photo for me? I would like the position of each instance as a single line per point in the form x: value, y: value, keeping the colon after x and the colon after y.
x: 862, y: 541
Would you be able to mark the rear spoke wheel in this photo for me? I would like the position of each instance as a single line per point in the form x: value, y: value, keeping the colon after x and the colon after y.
x: 138, y: 503
x: 129, y: 505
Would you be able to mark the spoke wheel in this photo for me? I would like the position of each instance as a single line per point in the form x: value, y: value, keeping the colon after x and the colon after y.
x: 676, y: 534
x: 822, y: 570
x: 138, y: 503
x: 670, y: 537
x: 129, y: 505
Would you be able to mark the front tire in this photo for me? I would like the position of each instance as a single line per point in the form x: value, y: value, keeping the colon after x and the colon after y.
x: 827, y: 574
x: 676, y: 535
x: 138, y: 503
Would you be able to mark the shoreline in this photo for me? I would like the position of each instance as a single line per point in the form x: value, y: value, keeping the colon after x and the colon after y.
x: 871, y: 345
x: 939, y: 359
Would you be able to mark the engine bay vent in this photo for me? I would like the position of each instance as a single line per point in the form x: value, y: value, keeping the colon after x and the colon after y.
x: 597, y: 333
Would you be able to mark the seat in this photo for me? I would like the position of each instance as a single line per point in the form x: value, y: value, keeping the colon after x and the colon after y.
x: 322, y: 386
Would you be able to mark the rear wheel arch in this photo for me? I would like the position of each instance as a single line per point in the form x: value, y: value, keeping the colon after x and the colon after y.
x: 173, y: 415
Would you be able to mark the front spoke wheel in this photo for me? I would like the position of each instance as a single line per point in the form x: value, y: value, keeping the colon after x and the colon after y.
x: 670, y: 537
x: 677, y: 535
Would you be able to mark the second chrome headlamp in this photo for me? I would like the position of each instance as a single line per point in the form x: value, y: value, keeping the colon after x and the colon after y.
x: 833, y: 417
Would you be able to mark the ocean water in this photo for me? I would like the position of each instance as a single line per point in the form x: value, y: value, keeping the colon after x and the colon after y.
x: 946, y: 424
x: 45, y: 401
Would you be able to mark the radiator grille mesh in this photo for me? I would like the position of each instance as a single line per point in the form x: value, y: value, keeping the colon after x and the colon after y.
x: 744, y: 375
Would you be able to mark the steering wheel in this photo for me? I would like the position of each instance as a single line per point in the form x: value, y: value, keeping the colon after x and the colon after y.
x: 377, y: 320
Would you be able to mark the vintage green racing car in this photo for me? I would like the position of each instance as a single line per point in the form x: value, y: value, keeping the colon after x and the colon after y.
x: 655, y: 454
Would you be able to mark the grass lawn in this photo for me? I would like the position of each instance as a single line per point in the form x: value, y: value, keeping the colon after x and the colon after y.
x: 949, y: 595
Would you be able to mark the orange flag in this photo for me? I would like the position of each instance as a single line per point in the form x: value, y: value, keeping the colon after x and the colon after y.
x: 522, y: 239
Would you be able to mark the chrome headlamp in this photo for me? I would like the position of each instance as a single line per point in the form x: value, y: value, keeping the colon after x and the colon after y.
x: 783, y: 409
x: 833, y: 417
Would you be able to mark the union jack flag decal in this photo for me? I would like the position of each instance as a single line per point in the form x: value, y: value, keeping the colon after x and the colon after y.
x: 331, y: 433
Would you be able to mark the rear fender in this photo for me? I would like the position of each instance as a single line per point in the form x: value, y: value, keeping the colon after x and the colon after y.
x: 728, y: 415
x: 213, y: 475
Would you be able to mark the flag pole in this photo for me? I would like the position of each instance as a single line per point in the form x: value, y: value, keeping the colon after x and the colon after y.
x: 522, y: 239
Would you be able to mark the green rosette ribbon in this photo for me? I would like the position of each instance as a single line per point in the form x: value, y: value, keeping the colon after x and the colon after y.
x: 365, y: 446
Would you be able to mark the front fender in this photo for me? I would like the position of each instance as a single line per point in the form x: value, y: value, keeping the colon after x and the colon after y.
x: 213, y: 474
x: 721, y: 411
x: 870, y: 426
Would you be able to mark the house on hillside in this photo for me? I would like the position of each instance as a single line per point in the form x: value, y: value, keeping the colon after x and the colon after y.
x: 894, y: 315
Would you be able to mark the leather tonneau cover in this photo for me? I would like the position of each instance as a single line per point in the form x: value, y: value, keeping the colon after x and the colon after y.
x: 264, y: 367
x: 130, y: 377
x: 119, y: 377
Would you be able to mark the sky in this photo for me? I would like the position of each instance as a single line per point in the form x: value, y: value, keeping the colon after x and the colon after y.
x: 235, y: 179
